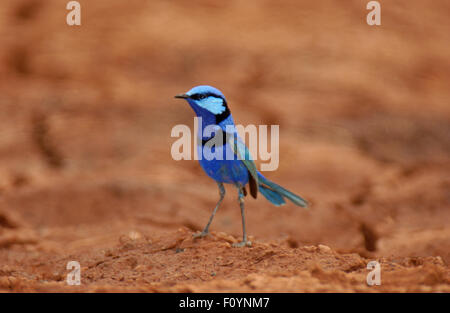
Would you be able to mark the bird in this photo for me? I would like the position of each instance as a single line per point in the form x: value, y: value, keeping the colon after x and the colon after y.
x: 222, y: 139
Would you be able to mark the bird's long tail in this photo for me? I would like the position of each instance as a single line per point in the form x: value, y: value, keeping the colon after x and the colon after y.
x: 276, y: 194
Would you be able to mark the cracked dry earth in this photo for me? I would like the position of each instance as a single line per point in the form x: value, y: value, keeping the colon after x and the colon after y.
x: 177, y: 263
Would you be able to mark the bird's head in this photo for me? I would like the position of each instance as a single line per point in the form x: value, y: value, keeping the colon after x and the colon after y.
x: 207, y: 102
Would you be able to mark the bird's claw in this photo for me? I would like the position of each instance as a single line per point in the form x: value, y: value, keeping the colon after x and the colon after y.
x: 200, y: 235
x: 242, y: 244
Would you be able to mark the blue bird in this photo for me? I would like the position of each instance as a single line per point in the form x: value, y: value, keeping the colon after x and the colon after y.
x: 210, y: 104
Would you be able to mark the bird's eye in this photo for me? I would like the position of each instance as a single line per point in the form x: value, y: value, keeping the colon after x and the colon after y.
x: 198, y: 96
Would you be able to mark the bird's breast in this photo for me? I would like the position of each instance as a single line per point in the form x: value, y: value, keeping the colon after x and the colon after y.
x: 221, y: 164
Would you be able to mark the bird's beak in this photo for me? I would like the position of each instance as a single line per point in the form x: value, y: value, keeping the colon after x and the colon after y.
x: 182, y: 96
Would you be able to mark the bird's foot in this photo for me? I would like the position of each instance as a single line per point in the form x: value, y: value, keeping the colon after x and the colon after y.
x: 242, y: 244
x: 200, y: 234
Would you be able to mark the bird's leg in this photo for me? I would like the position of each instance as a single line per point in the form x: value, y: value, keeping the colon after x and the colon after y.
x: 244, y: 241
x: 206, y: 229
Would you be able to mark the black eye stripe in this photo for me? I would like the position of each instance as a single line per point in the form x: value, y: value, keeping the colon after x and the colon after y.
x: 220, y: 117
x: 201, y: 96
x: 197, y: 96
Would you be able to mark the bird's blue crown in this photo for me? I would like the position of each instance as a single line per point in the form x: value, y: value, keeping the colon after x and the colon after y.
x: 207, y: 100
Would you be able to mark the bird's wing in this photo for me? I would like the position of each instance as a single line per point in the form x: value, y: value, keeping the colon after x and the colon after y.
x: 243, y: 154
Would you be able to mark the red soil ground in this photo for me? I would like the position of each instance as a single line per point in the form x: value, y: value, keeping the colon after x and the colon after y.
x: 86, y: 172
